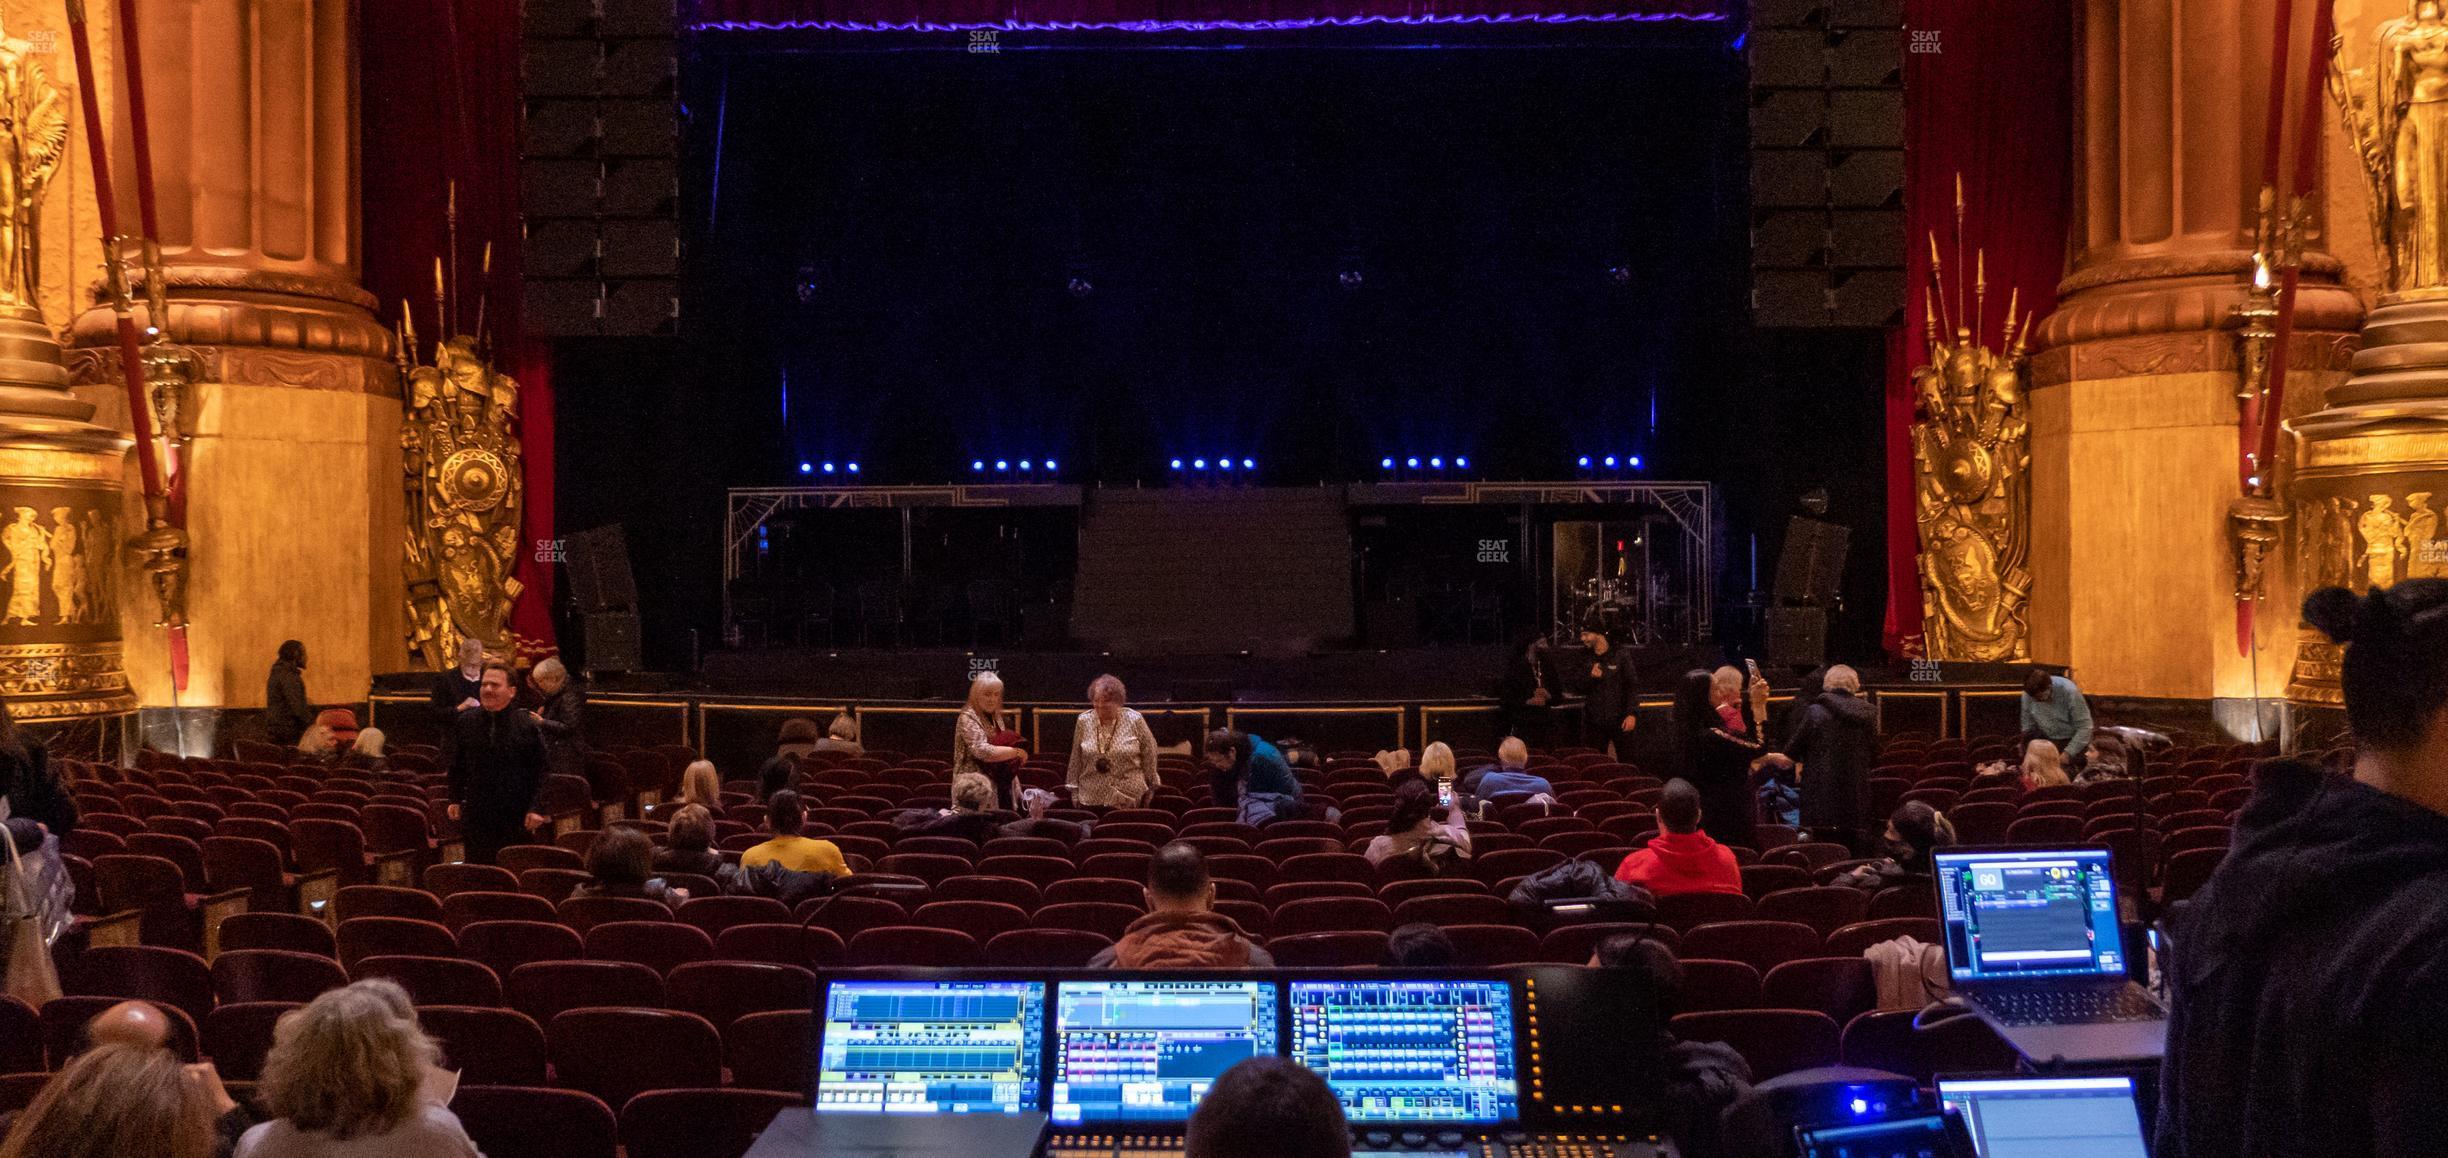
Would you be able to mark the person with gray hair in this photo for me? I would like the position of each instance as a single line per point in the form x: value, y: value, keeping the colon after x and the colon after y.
x: 1832, y: 748
x: 561, y: 717
x: 1113, y: 752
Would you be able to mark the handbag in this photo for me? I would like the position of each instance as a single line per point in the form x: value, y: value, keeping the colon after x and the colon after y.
x: 32, y: 976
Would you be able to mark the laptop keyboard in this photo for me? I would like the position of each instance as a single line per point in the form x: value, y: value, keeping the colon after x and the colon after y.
x: 2070, y: 1006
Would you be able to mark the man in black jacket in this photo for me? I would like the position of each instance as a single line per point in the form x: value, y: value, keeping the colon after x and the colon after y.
x: 1835, y: 740
x: 286, y: 709
x: 2308, y: 981
x: 1607, y: 699
x: 496, y: 759
x: 454, y: 691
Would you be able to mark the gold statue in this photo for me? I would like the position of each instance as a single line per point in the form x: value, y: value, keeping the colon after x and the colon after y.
x: 2397, y: 115
x: 466, y: 491
x: 35, y: 122
x: 1971, y: 487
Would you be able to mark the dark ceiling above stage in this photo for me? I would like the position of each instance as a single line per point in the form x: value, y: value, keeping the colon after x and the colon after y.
x: 1305, y: 250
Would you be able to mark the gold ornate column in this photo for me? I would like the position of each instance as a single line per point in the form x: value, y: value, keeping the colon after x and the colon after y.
x: 59, y: 472
x: 294, y: 507
x: 2373, y: 462
x: 2134, y: 407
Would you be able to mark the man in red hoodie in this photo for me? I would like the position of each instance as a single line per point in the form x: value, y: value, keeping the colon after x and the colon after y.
x: 1681, y: 858
x: 1182, y: 929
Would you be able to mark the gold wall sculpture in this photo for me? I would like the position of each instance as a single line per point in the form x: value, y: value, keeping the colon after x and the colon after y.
x: 465, y: 493
x: 60, y: 647
x: 1972, y: 484
x: 2372, y: 463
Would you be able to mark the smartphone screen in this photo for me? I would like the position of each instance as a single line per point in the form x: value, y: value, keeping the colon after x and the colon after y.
x: 1445, y: 793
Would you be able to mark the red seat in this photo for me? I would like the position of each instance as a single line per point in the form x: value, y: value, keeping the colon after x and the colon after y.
x: 1710, y: 985
x: 699, y: 1123
x: 725, y: 991
x: 659, y: 945
x: 1128, y: 866
x: 915, y: 946
x: 1774, y: 1041
x: 848, y: 916
x: 1684, y: 912
x: 1023, y: 846
x: 715, y: 914
x: 1045, y: 948
x: 487, y: 1046
x: 1038, y: 869
x: 1763, y: 945
x: 2185, y: 874
x: 435, y: 980
x: 982, y: 920
x: 1106, y: 919
x: 926, y: 866
x: 1841, y: 987
x: 298, y: 934
x: 1256, y: 871
x: 1759, y: 880
x: 2045, y: 830
x: 1290, y: 891
x: 1573, y: 944
x: 617, y: 1054
x: 1489, y: 945
x: 783, y: 943
x: 528, y: 1122
x: 156, y: 888
x: 152, y: 973
x: 461, y: 909
x: 386, y: 901
x: 506, y: 945
x: 275, y: 975
x: 20, y: 1037
x: 392, y: 937
x: 1329, y: 950
x: 541, y: 989
x: 1326, y: 866
x: 180, y: 850
x: 1852, y: 939
x: 1808, y: 855
x: 769, y: 1051
x: 238, y: 1036
x: 1886, y: 1040
x: 1826, y: 908
x: 584, y: 913
x: 1331, y: 914
x: 1003, y: 890
x: 442, y: 880
x: 1454, y: 909
x: 1396, y: 892
x: 519, y: 858
x: 335, y: 844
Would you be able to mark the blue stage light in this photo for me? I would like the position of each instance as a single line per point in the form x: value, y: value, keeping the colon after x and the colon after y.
x: 1004, y: 464
x: 828, y: 468
x: 807, y: 468
x: 1024, y: 465
x: 854, y: 468
x: 1610, y: 462
x: 1385, y: 464
x: 977, y: 464
x: 1249, y: 464
x: 1584, y: 463
x: 1462, y: 463
x: 1049, y: 464
x: 1436, y: 464
x: 1636, y: 462
x: 1198, y: 464
x: 1177, y: 464
x: 1412, y: 463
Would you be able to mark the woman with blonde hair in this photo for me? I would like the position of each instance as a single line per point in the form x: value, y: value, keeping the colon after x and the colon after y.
x: 982, y: 744
x: 2043, y: 766
x: 345, y: 1078
x: 318, y: 742
x: 1437, y: 762
x: 1113, y: 752
x: 701, y: 785
x: 366, y: 751
x: 113, y: 1101
x: 842, y: 735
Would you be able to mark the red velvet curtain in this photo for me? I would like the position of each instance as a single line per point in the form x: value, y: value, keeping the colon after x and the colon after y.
x: 1989, y: 98
x: 440, y: 104
x: 895, y: 14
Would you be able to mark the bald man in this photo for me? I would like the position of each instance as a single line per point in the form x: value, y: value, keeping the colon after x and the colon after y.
x: 142, y: 1025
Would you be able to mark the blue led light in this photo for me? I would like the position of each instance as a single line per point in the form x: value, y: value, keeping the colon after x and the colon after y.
x: 1584, y: 461
x: 1002, y: 464
x: 1385, y: 464
x: 1610, y: 462
x: 1049, y: 464
x: 828, y: 468
x: 854, y: 468
x: 1177, y: 464
x: 1436, y: 463
x: 1411, y: 462
x: 1223, y: 464
x: 1249, y: 464
x: 977, y: 464
x: 1198, y: 464
x: 1636, y: 462
x: 1861, y: 1106
x: 807, y: 468
x: 1024, y: 465
x: 1462, y: 463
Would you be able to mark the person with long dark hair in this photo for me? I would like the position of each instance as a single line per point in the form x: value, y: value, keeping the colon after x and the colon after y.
x: 2305, y: 977
x: 26, y: 780
x: 1717, y: 759
x: 287, y: 713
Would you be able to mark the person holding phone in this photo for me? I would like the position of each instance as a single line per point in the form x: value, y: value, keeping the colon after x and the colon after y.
x: 1419, y: 828
x: 1607, y: 697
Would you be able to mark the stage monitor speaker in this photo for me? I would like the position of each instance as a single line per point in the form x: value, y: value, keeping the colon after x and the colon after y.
x: 1797, y: 636
x: 612, y: 641
x: 1811, y: 566
x: 598, y: 566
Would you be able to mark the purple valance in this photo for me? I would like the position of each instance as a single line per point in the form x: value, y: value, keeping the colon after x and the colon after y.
x: 1174, y: 15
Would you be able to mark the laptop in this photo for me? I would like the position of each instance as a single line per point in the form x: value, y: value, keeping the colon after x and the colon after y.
x: 2026, y: 1117
x: 2033, y: 944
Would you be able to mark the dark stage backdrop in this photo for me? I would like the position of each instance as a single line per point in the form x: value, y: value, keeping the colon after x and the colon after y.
x: 1309, y: 254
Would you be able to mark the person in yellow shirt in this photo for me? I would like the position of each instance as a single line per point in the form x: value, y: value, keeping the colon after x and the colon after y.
x: 784, y: 814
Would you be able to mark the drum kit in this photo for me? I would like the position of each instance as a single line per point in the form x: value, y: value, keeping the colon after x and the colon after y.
x: 1615, y: 604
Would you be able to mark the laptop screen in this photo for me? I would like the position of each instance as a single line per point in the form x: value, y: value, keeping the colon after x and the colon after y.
x: 2029, y: 913
x: 1410, y: 1051
x: 930, y: 1047
x: 2048, y: 1117
x: 1146, y: 1051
